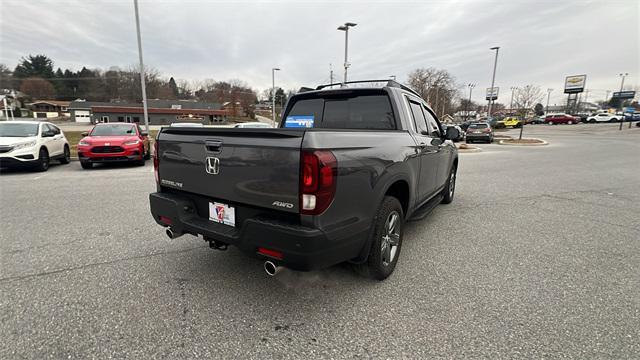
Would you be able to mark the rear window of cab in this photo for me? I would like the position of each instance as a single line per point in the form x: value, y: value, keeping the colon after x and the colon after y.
x: 342, y: 110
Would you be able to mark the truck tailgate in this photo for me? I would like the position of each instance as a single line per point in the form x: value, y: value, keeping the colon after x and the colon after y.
x: 258, y: 167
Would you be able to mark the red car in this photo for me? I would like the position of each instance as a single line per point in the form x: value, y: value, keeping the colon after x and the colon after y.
x: 114, y: 143
x: 561, y: 119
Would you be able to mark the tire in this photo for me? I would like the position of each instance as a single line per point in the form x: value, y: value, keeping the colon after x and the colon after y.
x: 147, y: 156
x: 66, y: 158
x: 592, y: 121
x: 386, y: 242
x: 570, y: 122
x: 43, y: 160
x: 86, y: 165
x: 467, y: 141
x: 140, y: 162
x: 550, y: 123
x: 450, y: 187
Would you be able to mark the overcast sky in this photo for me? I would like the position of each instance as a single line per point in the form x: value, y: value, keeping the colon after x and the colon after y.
x: 541, y: 41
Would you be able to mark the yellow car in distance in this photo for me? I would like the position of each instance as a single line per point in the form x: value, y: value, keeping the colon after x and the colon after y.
x: 510, y: 122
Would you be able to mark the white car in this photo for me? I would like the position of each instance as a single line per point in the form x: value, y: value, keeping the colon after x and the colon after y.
x: 32, y: 143
x: 253, y: 125
x: 604, y: 117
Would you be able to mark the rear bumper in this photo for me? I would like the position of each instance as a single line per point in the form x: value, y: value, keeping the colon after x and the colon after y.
x: 485, y: 137
x: 302, y: 248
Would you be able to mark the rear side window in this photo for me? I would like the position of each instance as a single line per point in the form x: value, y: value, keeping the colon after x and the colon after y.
x: 418, y: 117
x: 357, y: 112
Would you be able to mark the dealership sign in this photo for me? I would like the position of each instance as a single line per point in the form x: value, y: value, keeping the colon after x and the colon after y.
x: 574, y: 84
x: 492, y: 94
x: 624, y: 94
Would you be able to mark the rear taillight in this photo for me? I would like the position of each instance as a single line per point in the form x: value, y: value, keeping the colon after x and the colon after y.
x: 487, y: 130
x: 155, y: 161
x: 317, y: 181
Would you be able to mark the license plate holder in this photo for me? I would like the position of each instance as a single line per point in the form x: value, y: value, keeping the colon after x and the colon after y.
x: 222, y: 214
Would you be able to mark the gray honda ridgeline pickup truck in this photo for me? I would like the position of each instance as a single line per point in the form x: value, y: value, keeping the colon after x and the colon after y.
x: 335, y: 182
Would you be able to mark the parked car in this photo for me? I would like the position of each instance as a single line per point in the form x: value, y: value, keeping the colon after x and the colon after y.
x: 32, y: 144
x: 537, y: 120
x: 114, y: 142
x: 635, y: 116
x: 555, y: 119
x: 460, y: 132
x: 479, y: 131
x: 510, y: 122
x: 334, y: 183
x: 604, y: 117
x: 253, y: 125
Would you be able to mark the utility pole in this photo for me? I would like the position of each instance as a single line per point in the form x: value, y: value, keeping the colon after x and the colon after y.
x: 546, y: 109
x: 142, y: 72
x: 273, y: 95
x: 622, y: 100
x: 345, y: 28
x: 6, y: 110
x: 466, y: 110
x: 493, y: 79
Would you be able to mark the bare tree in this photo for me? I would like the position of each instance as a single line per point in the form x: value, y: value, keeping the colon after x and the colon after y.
x: 436, y: 86
x: 524, y: 100
x: 37, y: 88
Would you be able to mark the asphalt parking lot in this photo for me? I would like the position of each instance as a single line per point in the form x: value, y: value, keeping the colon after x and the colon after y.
x: 538, y: 256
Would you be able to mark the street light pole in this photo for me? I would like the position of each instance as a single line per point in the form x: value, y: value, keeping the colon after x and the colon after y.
x: 493, y: 79
x: 345, y: 28
x: 622, y: 100
x: 273, y: 94
x: 142, y: 72
x: 466, y: 110
x: 546, y: 109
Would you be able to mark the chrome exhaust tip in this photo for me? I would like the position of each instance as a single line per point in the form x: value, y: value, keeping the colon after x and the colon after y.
x: 271, y: 268
x: 172, y: 234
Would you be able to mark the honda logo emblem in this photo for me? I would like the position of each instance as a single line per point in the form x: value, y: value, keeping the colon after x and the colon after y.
x: 212, y: 165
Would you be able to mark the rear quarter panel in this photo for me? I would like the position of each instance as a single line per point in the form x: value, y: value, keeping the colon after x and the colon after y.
x: 368, y: 163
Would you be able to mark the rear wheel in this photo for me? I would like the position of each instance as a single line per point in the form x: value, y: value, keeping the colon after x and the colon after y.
x: 66, y: 158
x: 43, y: 160
x: 386, y: 242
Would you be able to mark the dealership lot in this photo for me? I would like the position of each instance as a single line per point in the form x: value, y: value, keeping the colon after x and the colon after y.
x: 536, y: 257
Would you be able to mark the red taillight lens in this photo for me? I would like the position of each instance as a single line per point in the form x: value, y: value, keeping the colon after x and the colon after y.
x: 270, y: 253
x: 155, y: 161
x: 317, y: 181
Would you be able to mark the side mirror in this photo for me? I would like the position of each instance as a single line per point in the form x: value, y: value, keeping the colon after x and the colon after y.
x: 451, y: 133
x: 85, y: 133
x: 144, y: 133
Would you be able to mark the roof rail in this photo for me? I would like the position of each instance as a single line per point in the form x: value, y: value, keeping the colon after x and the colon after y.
x: 389, y: 83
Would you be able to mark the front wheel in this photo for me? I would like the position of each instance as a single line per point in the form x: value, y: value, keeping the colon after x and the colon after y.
x: 570, y: 122
x: 86, y: 165
x: 43, y: 160
x: 147, y: 155
x: 450, y: 187
x: 386, y: 242
x: 550, y: 123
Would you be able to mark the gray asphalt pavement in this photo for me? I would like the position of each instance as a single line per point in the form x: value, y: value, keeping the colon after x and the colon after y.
x: 537, y: 257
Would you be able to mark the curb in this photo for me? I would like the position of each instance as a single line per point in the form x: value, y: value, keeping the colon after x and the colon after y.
x: 542, y: 143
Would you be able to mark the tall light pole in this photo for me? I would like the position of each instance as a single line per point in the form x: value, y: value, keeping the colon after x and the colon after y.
x: 622, y: 100
x: 493, y: 78
x: 142, y: 72
x: 513, y: 89
x: 466, y: 110
x: 273, y: 94
x: 546, y: 109
x: 345, y: 28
